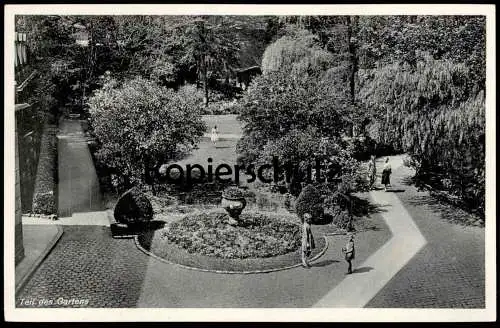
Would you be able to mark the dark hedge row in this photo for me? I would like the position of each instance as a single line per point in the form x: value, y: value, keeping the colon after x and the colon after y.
x: 45, y: 193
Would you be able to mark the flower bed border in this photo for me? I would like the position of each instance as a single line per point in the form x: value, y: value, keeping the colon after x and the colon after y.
x: 316, y: 257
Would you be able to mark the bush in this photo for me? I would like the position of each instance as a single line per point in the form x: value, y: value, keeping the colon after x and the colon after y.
x: 309, y: 201
x: 133, y: 207
x: 223, y: 108
x: 141, y: 125
x: 442, y: 127
x: 233, y: 193
x: 299, y: 54
x: 276, y: 104
x: 44, y: 196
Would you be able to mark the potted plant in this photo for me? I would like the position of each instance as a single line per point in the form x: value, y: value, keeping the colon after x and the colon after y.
x: 233, y: 201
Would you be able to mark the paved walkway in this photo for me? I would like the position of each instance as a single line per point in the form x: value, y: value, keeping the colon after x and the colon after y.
x: 88, y: 264
x: 37, y: 242
x: 97, y: 218
x: 115, y: 273
x: 78, y: 182
x: 358, y: 289
x: 224, y: 136
x: 449, y: 271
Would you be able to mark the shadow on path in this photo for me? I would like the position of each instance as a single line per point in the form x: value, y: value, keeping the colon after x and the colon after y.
x: 324, y: 263
x: 362, y: 269
x: 395, y: 190
x: 366, y: 207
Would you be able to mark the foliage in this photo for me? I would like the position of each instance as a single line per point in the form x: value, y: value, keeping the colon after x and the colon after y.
x: 44, y: 196
x: 47, y: 36
x: 141, y: 125
x: 233, y: 192
x: 402, y: 96
x: 389, y: 39
x: 133, y: 207
x: 223, y: 107
x: 257, y: 236
x: 431, y: 112
x: 276, y: 103
x: 297, y: 54
x: 309, y: 201
x: 288, y: 117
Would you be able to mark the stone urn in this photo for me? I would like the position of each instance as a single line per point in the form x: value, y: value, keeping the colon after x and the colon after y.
x: 233, y: 201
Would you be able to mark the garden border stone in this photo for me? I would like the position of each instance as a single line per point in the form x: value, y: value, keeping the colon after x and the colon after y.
x: 145, y: 251
x: 27, y: 276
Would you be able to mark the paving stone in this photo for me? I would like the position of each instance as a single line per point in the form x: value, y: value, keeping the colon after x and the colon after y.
x: 449, y: 272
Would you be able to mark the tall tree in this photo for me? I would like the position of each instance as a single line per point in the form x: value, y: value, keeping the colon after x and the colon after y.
x: 209, y: 42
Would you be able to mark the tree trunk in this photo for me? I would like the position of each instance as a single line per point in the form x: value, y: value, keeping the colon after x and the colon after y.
x: 205, y: 86
x: 204, y: 77
x: 352, y: 22
x: 351, y: 25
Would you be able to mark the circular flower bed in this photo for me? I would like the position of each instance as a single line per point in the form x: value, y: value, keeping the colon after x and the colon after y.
x: 256, y: 236
x: 207, y: 242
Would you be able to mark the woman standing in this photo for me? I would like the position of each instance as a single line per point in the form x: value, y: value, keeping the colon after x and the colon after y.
x: 386, y: 174
x: 307, y: 240
x: 348, y: 251
x: 372, y: 171
x: 215, y: 135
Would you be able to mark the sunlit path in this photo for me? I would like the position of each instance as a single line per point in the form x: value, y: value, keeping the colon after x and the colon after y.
x: 372, y: 275
x: 78, y: 182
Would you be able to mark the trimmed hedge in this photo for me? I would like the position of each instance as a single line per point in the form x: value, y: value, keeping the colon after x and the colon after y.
x: 309, y: 201
x: 133, y: 207
x: 44, y: 195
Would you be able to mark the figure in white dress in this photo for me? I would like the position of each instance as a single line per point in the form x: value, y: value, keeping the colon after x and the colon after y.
x: 215, y: 135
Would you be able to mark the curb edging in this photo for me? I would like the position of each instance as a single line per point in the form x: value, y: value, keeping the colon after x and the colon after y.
x: 19, y: 286
x: 142, y: 249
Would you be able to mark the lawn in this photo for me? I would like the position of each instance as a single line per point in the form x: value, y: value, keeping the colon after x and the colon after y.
x: 226, y: 124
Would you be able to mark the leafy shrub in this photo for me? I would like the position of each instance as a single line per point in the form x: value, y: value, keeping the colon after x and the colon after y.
x: 223, y: 107
x: 362, y: 148
x: 44, y: 196
x: 276, y: 104
x: 340, y: 218
x: 133, y: 207
x: 298, y: 54
x: 309, y: 201
x: 233, y: 193
x: 164, y: 72
x: 142, y: 125
x: 442, y: 127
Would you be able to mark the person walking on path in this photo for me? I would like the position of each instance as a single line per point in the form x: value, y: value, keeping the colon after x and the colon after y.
x: 307, y: 240
x: 372, y: 171
x: 386, y: 174
x: 215, y: 135
x: 348, y: 251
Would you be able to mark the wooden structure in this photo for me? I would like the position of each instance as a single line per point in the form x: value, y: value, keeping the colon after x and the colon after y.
x: 245, y: 76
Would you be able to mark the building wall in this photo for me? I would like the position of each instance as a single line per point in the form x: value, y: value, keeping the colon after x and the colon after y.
x: 19, y: 248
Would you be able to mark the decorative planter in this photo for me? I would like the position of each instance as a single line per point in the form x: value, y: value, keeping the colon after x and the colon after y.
x: 233, y: 206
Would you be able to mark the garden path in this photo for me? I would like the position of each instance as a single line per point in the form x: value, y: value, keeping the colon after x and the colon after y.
x: 358, y: 289
x: 78, y: 183
x: 448, y: 271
